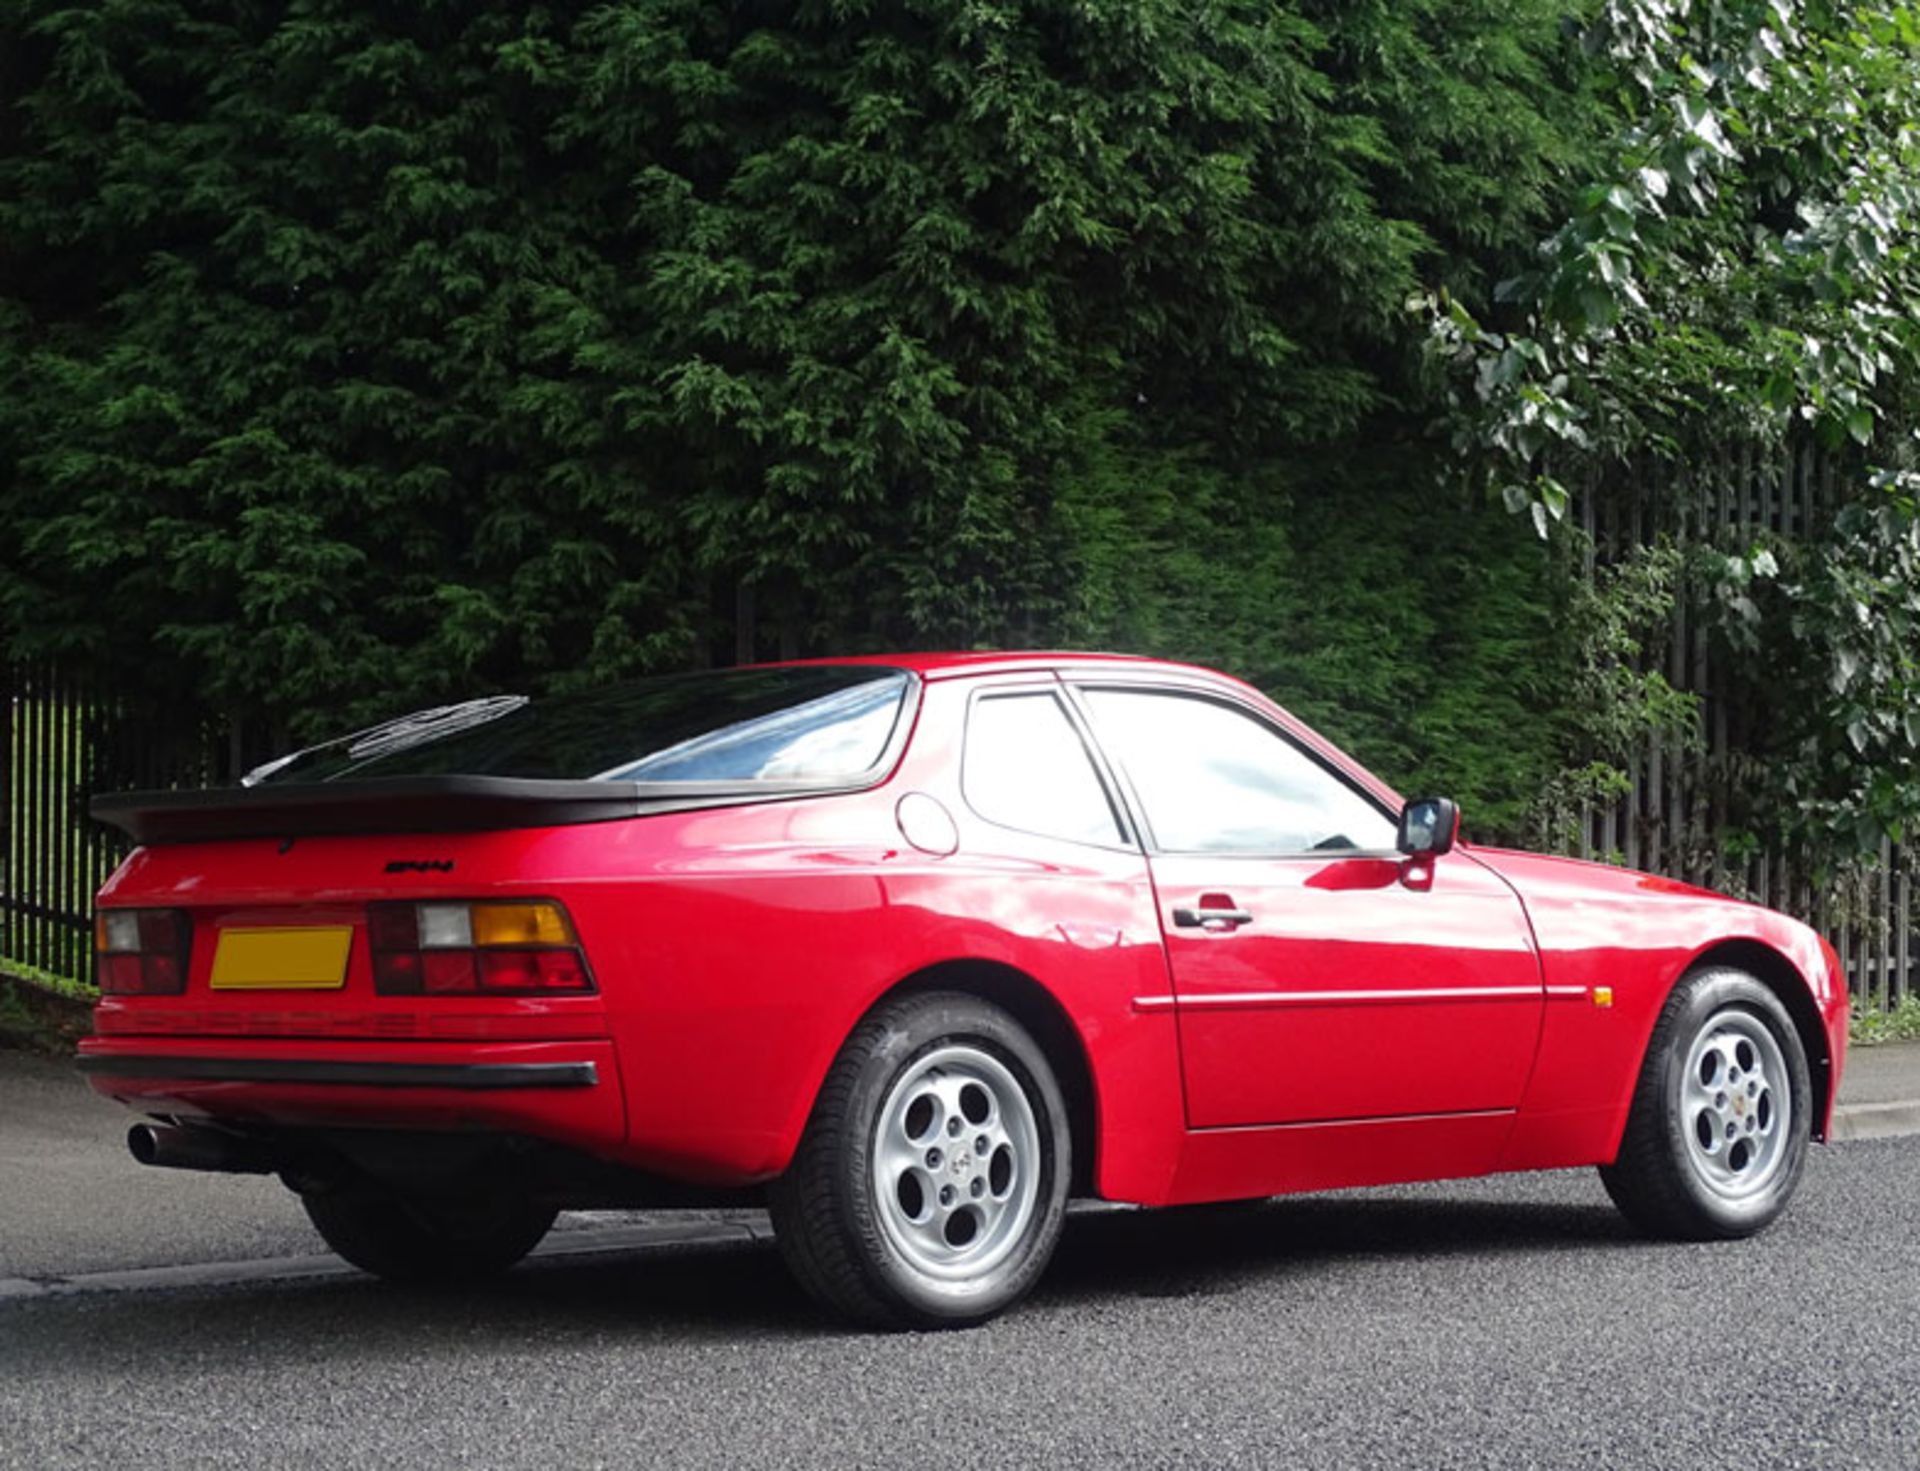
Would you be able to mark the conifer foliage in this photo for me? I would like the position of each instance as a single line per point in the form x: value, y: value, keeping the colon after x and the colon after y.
x: 355, y: 353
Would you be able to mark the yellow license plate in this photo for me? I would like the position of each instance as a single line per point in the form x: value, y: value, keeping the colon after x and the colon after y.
x: 289, y: 958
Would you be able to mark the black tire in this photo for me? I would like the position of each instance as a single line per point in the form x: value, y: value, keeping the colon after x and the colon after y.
x: 1711, y: 1158
x: 420, y: 1241
x: 846, y: 1211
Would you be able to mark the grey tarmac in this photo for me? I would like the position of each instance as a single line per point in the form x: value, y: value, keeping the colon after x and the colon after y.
x: 1504, y: 1322
x: 1508, y: 1322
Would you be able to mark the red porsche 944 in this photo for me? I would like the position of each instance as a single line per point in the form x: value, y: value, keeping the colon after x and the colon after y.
x: 913, y: 950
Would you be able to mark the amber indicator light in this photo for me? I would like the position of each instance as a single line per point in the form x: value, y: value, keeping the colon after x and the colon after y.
x: 521, y: 947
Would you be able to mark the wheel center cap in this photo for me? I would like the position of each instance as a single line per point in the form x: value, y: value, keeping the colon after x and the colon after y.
x: 962, y: 1164
x: 1740, y: 1105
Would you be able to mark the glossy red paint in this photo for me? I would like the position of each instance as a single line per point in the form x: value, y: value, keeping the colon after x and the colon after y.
x: 1378, y: 1018
x: 1636, y: 934
x: 1352, y: 986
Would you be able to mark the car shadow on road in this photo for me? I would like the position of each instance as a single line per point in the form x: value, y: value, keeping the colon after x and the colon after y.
x: 1207, y: 1250
x: 698, y: 1294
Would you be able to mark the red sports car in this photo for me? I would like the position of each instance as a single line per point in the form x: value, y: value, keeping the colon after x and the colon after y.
x: 913, y: 949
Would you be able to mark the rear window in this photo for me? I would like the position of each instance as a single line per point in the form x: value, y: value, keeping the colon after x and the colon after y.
x: 812, y: 726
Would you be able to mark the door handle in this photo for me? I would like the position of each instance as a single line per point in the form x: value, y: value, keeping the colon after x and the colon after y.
x: 1210, y: 918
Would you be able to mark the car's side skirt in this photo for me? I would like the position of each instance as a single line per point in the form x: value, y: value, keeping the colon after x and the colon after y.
x: 1242, y: 1163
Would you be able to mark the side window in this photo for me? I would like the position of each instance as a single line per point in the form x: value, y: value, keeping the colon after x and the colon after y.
x: 1025, y: 767
x: 1215, y: 780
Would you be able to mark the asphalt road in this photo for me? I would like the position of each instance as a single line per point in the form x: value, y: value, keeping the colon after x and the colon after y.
x: 75, y: 1205
x: 1508, y: 1322
x: 73, y: 1200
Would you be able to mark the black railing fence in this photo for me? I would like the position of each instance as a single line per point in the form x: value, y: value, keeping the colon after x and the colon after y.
x: 64, y: 737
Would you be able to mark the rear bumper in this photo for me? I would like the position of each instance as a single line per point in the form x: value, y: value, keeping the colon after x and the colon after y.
x: 484, y: 1075
x: 566, y: 1092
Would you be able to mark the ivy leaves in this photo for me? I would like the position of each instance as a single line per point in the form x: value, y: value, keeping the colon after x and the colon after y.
x: 1744, y: 263
x: 1835, y: 625
x: 1741, y: 268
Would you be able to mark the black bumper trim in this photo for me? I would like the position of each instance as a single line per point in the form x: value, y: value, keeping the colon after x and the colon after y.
x: 475, y: 1075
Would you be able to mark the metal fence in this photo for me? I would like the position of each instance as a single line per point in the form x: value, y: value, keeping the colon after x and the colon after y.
x: 1671, y: 818
x: 51, y: 856
x: 62, y: 738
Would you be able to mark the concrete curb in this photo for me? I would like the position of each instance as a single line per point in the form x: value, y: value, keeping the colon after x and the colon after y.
x: 741, y: 1229
x: 562, y: 1245
x: 1876, y: 1120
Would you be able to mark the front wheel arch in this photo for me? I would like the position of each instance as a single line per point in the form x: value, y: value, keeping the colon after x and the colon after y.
x: 1782, y: 977
x: 1675, y: 1175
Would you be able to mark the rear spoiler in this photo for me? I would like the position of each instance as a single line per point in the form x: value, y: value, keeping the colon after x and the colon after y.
x: 411, y: 804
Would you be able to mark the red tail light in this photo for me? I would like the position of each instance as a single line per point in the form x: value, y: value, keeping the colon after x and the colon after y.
x: 520, y: 947
x: 141, y: 952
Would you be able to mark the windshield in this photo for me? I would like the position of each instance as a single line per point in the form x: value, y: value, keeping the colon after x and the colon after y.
x: 813, y: 725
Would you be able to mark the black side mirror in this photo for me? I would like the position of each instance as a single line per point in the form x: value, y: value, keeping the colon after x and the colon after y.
x: 1428, y: 826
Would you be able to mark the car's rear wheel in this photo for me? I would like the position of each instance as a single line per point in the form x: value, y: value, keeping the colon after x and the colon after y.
x: 450, y: 1240
x: 1717, y: 1136
x: 931, y: 1184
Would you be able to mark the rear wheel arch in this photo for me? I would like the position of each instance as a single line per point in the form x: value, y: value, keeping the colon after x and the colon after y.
x: 1039, y: 1011
x: 1782, y: 977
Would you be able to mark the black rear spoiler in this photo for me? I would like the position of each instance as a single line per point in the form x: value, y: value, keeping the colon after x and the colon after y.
x: 409, y: 804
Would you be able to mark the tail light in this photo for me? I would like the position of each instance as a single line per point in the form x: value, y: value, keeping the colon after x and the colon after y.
x: 141, y: 952
x: 507, y: 948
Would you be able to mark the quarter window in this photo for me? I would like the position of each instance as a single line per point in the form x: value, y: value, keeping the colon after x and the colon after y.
x: 1214, y: 779
x: 1026, y: 767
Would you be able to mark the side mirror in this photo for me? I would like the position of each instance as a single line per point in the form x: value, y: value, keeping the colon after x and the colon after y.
x: 1428, y: 827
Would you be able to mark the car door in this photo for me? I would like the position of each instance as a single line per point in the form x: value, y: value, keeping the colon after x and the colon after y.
x: 1317, y: 973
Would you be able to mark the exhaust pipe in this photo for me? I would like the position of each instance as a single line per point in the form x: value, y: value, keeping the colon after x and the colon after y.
x: 166, y: 1146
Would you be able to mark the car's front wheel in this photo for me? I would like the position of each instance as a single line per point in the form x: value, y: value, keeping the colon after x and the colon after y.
x: 931, y: 1184
x: 1717, y: 1135
x: 451, y: 1240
